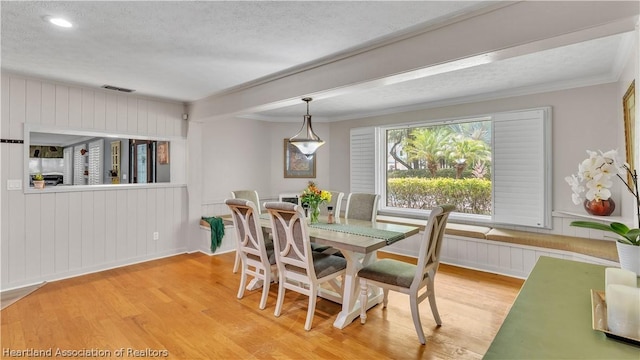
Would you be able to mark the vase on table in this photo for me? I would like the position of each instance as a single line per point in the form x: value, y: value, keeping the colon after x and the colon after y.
x: 600, y: 207
x: 314, y: 213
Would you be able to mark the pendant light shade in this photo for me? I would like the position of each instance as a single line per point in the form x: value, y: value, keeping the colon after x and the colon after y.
x: 306, y: 140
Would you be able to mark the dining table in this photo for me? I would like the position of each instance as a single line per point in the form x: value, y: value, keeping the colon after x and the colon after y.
x: 358, y: 241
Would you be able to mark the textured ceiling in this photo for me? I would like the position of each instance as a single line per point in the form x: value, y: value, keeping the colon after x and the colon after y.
x: 187, y: 50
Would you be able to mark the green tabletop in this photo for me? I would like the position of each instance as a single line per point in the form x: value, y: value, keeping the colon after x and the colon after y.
x: 551, y: 317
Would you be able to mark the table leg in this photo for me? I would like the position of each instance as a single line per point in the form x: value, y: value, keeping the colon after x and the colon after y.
x: 350, y: 299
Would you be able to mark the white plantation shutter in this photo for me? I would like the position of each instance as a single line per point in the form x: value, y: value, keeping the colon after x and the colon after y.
x: 67, y: 175
x: 96, y: 154
x: 522, y: 167
x: 363, y: 160
x: 79, y: 162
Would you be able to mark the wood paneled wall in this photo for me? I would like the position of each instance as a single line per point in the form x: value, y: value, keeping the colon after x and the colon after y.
x: 55, y: 235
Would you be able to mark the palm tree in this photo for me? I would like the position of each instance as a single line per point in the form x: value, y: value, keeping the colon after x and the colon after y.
x: 428, y: 144
x: 395, y: 137
x: 464, y: 151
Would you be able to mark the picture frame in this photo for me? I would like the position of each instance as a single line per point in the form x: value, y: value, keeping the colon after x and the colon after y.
x: 163, y: 152
x: 296, y: 164
x: 629, y: 112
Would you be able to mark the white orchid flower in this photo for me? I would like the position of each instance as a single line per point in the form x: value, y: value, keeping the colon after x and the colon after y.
x: 576, y: 199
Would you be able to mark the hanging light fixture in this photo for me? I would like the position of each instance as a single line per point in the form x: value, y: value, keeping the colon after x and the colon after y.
x: 306, y: 140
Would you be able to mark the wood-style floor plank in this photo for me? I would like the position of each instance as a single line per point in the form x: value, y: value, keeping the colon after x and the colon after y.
x: 187, y: 305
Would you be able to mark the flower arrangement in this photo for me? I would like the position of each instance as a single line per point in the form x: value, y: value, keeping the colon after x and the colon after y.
x: 597, y: 171
x: 313, y: 197
x: 38, y: 177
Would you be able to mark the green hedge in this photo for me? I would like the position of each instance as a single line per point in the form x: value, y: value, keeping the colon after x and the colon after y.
x: 471, y: 196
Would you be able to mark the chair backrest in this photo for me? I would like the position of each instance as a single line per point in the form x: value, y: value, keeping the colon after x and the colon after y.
x: 246, y: 221
x: 291, y: 240
x: 336, y: 202
x: 250, y: 195
x: 429, y: 254
x: 361, y: 206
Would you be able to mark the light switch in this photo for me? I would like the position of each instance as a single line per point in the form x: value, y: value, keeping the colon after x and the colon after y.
x: 14, y: 184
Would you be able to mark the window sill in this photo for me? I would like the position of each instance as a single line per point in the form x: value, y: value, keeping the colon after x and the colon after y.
x: 607, y: 219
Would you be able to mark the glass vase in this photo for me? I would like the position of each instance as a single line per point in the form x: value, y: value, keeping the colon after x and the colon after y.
x: 315, y: 213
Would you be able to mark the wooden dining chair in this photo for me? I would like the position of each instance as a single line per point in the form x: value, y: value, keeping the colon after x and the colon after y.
x: 336, y: 203
x: 391, y: 274
x: 256, y: 258
x: 362, y: 206
x: 299, y: 268
x: 252, y: 196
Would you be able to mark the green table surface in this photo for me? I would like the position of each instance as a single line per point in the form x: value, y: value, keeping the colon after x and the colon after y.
x: 551, y: 317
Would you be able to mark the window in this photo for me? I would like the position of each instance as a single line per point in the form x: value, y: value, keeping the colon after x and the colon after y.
x: 494, y: 168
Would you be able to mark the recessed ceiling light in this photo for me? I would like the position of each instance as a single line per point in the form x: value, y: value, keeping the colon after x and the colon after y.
x: 58, y: 21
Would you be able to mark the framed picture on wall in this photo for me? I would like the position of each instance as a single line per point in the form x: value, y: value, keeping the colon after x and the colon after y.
x: 163, y: 152
x: 296, y: 164
x: 629, y: 111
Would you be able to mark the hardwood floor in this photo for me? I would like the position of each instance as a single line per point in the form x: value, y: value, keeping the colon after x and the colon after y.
x: 186, y: 305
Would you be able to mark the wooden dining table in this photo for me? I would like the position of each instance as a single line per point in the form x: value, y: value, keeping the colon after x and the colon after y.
x: 358, y: 242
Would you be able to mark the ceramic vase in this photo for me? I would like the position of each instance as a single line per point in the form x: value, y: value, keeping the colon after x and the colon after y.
x: 629, y: 256
x: 600, y: 207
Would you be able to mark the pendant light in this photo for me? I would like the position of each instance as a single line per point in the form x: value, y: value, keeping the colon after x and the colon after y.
x: 306, y: 140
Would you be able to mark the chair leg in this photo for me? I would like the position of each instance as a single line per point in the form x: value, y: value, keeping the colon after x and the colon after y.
x: 313, y: 297
x: 236, y: 264
x: 415, y: 314
x: 385, y: 298
x: 280, y: 299
x: 434, y: 307
x: 266, y: 283
x: 364, y: 297
x: 243, y: 282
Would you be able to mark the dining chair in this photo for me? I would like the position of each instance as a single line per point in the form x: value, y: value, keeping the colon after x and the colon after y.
x: 336, y: 203
x: 362, y: 206
x: 391, y: 274
x: 255, y: 256
x: 299, y: 268
x: 252, y: 196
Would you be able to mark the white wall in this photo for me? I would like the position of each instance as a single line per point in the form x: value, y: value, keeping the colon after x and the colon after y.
x: 55, y: 235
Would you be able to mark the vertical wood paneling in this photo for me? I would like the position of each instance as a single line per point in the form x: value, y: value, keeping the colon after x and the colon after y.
x: 4, y: 204
x: 99, y: 110
x: 161, y: 119
x: 483, y: 256
x: 132, y: 115
x: 505, y: 257
x: 48, y: 111
x: 88, y: 109
x: 98, y: 231
x: 529, y: 259
x: 62, y: 232
x: 493, y: 255
x: 110, y: 226
x: 132, y: 222
x: 472, y: 251
x: 161, y: 207
x: 152, y: 117
x: 16, y: 218
x: 87, y: 228
x: 75, y: 107
x: 47, y: 233
x: 152, y: 219
x: 111, y: 112
x: 75, y: 230
x: 62, y: 105
x: 33, y: 102
x: 121, y: 227
x: 17, y: 107
x: 142, y: 117
x: 32, y: 237
x: 517, y: 260
x: 168, y: 218
x: 121, y: 123
x: 141, y: 226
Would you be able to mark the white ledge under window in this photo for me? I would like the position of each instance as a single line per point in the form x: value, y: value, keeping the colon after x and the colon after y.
x: 72, y: 188
x: 608, y: 219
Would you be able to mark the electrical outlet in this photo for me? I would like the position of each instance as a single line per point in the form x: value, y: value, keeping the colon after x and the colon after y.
x: 156, y: 236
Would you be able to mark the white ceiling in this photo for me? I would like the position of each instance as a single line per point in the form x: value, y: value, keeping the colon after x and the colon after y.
x: 190, y: 50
